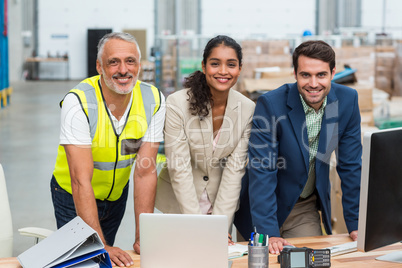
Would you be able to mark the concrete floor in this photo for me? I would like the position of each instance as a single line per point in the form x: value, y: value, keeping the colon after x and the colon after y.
x: 29, y: 136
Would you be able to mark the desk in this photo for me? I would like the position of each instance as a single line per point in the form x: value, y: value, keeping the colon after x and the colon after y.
x: 53, y: 70
x: 355, y: 259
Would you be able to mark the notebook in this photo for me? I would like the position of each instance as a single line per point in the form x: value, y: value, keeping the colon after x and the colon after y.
x: 237, y: 251
x: 183, y: 240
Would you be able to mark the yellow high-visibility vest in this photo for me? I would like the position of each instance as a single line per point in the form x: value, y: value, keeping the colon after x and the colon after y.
x: 113, y: 154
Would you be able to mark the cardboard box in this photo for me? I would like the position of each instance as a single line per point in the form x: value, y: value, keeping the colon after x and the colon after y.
x: 385, y: 59
x: 384, y: 83
x: 247, y: 71
x: 272, y: 72
x: 251, y: 47
x: 337, y: 218
x: 282, y: 61
x: 365, y: 92
x: 354, y: 52
x: 168, y: 61
x: 277, y: 47
x: 367, y: 118
x: 360, y: 58
x: 381, y: 49
x: 281, y: 72
x: 251, y: 59
x: 251, y: 85
x: 398, y: 70
x: 365, y: 67
x: 384, y: 71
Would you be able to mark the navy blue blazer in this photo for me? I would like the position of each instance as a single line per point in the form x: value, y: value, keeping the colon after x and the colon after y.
x: 279, y: 159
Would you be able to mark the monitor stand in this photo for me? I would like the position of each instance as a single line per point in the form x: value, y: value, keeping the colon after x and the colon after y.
x: 391, y: 257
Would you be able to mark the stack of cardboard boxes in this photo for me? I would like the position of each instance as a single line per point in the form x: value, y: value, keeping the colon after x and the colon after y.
x: 168, y: 73
x: 363, y: 60
x: 268, y: 53
x: 384, y: 68
x: 266, y: 79
x: 360, y: 58
x: 365, y: 92
x: 398, y: 70
x: 366, y: 105
x: 387, y: 73
x: 147, y: 73
x: 266, y: 66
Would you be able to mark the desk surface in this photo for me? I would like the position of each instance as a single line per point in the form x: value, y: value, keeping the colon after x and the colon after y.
x: 39, y: 59
x: 355, y: 259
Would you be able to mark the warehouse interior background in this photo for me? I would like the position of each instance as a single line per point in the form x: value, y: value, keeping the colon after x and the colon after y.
x: 48, y: 46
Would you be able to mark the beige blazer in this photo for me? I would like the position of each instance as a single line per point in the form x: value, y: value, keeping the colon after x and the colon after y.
x: 193, y: 166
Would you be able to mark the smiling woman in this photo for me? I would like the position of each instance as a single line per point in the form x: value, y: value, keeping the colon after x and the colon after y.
x: 202, y: 85
x: 221, y: 69
x: 207, y: 129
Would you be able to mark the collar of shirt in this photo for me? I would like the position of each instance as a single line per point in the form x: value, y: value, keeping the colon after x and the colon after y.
x: 307, y: 109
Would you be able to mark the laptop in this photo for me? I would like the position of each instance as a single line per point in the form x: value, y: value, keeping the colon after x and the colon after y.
x: 183, y: 241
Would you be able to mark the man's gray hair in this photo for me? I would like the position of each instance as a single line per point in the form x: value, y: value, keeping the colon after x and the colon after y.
x: 120, y: 36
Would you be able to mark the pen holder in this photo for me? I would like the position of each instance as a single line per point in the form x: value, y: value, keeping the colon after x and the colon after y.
x: 258, y: 256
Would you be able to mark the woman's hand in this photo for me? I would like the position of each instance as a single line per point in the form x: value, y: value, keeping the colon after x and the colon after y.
x: 230, y: 242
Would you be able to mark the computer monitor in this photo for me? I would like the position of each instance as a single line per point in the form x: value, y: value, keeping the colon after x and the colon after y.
x: 380, y: 213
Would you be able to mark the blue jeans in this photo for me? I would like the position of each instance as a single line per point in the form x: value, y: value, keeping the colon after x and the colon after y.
x: 110, y: 213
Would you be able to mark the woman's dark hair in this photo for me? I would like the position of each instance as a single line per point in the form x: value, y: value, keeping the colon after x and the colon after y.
x: 315, y: 49
x: 199, y: 92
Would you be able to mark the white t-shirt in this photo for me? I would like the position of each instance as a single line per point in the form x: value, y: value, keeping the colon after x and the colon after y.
x: 75, y: 127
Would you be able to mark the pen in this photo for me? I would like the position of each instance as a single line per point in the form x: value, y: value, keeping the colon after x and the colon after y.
x: 260, y: 239
x: 254, y: 236
x: 252, y: 239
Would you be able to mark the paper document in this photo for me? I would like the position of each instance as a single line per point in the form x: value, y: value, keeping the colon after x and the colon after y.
x: 237, y: 250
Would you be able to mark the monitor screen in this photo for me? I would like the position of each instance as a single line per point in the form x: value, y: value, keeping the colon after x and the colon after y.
x: 380, y: 213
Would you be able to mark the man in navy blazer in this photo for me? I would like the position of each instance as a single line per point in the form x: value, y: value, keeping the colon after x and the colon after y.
x: 287, y: 179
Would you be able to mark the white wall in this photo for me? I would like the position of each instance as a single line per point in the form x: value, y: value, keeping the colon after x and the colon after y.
x: 72, y: 19
x: 372, y: 16
x: 268, y: 18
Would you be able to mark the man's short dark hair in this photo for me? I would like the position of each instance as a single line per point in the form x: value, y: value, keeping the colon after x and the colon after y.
x: 315, y: 49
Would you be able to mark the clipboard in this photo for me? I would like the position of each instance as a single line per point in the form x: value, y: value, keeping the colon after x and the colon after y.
x: 72, y: 244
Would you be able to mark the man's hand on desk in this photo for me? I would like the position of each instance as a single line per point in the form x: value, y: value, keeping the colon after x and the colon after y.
x: 353, y: 235
x: 119, y: 257
x: 276, y: 244
x: 136, y: 246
